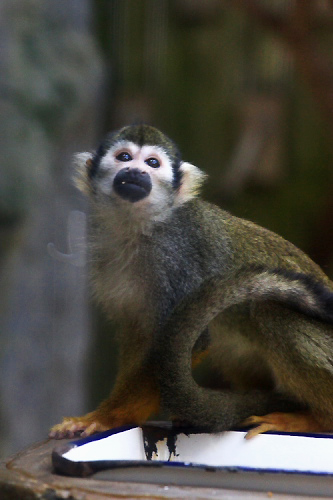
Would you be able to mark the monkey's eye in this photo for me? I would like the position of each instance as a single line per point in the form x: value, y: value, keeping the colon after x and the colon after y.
x: 153, y: 162
x: 124, y: 156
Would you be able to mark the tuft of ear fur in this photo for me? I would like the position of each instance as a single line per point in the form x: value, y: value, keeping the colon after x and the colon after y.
x: 81, y: 164
x: 192, y: 180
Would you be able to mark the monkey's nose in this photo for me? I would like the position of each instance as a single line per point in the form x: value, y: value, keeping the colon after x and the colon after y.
x: 132, y: 184
x: 143, y: 172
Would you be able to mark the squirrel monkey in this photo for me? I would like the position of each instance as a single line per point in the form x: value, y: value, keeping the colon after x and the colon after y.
x: 184, y: 280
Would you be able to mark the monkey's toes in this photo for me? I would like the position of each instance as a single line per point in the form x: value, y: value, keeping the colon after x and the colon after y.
x: 261, y: 426
x: 283, y: 422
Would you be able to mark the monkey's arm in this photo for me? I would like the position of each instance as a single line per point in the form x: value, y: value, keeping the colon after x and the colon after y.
x: 133, y: 399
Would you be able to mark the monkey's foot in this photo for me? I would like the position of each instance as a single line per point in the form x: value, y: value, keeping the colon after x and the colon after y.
x: 285, y: 422
x: 77, y: 426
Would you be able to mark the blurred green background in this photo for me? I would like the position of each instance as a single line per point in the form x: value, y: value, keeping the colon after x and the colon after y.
x: 245, y: 87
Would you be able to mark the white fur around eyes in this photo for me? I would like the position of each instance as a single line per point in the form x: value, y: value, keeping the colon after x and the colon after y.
x: 163, y: 197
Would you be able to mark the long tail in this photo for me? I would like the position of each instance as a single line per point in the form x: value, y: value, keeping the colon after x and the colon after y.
x: 295, y: 290
x: 220, y: 410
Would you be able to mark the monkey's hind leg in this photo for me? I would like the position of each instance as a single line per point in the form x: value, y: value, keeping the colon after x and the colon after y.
x: 300, y: 351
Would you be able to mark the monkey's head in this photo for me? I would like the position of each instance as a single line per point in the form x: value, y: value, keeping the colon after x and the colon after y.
x: 138, y: 165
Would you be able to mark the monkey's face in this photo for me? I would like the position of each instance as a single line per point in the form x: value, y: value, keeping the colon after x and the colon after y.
x: 138, y: 167
x: 133, y: 173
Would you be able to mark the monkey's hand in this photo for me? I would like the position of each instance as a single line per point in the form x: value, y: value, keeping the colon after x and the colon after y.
x: 78, y: 426
x: 102, y: 419
x: 132, y: 402
x: 284, y: 422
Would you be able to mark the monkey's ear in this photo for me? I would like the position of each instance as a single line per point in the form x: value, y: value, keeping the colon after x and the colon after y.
x: 191, y: 181
x: 82, y: 163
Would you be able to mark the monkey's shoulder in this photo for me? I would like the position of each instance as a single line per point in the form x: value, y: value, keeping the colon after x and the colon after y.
x: 196, y: 232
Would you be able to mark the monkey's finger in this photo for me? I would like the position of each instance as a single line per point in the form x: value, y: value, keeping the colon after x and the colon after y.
x: 70, y: 427
x: 264, y: 427
x: 65, y: 431
x: 94, y: 427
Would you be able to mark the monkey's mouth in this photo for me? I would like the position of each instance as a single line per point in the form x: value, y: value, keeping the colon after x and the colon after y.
x: 132, y: 184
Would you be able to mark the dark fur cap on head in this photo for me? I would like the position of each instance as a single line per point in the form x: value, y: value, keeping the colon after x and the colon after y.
x: 141, y: 135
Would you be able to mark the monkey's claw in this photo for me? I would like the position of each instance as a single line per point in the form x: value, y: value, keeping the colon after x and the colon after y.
x: 283, y: 422
x: 71, y: 427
